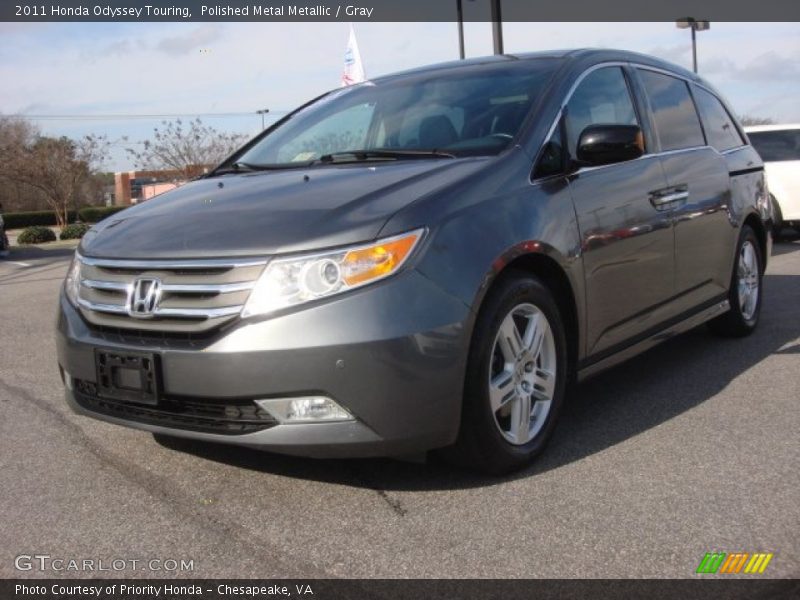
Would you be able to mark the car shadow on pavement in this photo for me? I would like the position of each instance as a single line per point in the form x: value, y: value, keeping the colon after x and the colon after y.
x: 789, y: 243
x: 49, y: 265
x: 36, y: 252
x: 615, y: 406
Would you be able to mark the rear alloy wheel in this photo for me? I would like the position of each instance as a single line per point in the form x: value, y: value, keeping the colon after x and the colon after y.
x: 745, y: 289
x: 748, y: 284
x: 516, y: 377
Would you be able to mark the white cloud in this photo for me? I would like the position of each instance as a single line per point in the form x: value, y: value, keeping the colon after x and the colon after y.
x: 766, y: 67
x: 158, y: 67
x: 196, y: 39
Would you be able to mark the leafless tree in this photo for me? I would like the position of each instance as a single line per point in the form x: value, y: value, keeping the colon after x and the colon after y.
x: 59, y: 168
x: 748, y: 120
x: 186, y: 147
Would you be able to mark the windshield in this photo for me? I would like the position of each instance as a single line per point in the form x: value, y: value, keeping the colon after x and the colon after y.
x: 461, y: 112
x: 776, y: 145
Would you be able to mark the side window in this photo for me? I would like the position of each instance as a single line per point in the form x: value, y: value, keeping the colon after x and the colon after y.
x: 720, y: 128
x: 602, y: 97
x: 677, y: 123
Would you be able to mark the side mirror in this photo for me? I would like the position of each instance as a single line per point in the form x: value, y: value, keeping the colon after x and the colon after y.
x: 606, y: 144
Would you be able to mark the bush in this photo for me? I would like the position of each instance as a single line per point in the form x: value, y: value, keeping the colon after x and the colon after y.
x: 19, y: 220
x: 93, y: 214
x: 36, y: 235
x: 88, y: 214
x: 74, y: 231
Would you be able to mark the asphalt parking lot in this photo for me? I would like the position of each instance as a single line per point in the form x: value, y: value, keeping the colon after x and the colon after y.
x: 690, y: 448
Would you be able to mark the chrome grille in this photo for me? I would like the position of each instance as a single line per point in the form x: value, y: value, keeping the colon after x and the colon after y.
x: 195, y: 295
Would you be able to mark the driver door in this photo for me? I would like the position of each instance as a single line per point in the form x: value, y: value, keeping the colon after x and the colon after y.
x: 627, y: 242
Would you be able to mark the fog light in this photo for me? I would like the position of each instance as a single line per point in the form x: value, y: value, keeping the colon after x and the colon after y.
x: 309, y: 409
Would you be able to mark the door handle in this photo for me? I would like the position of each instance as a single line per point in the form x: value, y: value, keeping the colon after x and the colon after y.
x: 664, y: 199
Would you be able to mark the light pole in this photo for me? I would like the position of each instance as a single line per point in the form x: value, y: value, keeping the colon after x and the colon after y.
x: 460, y: 14
x: 695, y: 26
x: 497, y: 26
x: 262, y: 112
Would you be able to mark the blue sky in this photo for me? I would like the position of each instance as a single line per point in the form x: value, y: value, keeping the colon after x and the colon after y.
x: 189, y: 68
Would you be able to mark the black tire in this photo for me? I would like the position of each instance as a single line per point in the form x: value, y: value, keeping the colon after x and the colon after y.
x: 480, y: 443
x: 777, y: 219
x: 735, y: 323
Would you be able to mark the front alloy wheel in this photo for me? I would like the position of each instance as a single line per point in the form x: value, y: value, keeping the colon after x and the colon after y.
x: 522, y: 374
x: 515, y: 379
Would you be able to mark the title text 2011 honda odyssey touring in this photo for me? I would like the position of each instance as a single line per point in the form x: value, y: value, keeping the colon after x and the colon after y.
x: 424, y: 261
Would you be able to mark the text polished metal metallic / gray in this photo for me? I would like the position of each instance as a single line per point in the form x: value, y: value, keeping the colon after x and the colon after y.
x: 432, y: 278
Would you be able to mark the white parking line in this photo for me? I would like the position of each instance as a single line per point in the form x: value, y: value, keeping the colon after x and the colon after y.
x: 20, y: 263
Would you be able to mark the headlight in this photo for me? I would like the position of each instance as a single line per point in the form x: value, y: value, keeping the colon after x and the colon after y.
x: 72, y: 283
x: 291, y: 281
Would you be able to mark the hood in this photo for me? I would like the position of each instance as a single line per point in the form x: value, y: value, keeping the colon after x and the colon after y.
x: 272, y: 212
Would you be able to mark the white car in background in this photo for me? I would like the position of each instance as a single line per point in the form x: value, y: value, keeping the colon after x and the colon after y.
x: 779, y: 147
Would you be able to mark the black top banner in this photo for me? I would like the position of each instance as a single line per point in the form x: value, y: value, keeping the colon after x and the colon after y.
x: 399, y: 10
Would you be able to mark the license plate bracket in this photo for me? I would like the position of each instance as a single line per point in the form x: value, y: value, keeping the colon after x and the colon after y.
x: 128, y: 376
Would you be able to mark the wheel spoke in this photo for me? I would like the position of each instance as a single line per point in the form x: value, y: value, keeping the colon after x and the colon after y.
x: 521, y: 419
x: 748, y: 293
x: 752, y: 298
x: 751, y: 261
x: 501, y: 390
x: 544, y: 386
x: 535, y: 334
x: 510, y: 340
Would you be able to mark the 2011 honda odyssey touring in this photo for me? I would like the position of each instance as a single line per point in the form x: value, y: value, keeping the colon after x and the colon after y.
x: 424, y: 261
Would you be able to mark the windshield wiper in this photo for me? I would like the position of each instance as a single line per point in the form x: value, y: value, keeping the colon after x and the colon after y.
x: 236, y: 167
x: 367, y: 155
x: 243, y: 167
x: 335, y: 157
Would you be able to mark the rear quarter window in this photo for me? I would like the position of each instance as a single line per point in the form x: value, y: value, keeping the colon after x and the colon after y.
x: 720, y: 128
x: 677, y: 123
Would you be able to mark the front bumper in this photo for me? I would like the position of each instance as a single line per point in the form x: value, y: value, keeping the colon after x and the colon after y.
x: 392, y: 354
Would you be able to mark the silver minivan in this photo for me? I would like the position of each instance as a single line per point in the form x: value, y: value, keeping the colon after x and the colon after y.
x: 424, y: 261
